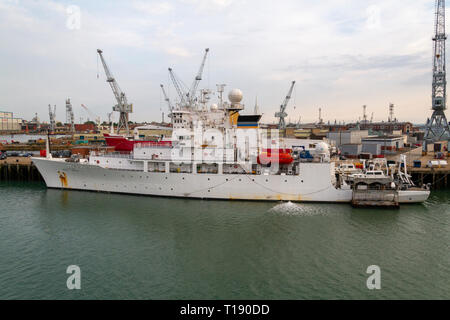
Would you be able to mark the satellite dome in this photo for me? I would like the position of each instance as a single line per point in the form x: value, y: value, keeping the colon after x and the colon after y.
x: 322, y: 148
x: 214, y: 107
x: 235, y: 96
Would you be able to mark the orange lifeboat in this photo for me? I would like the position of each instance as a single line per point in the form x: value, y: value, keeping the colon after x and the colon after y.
x: 281, y: 156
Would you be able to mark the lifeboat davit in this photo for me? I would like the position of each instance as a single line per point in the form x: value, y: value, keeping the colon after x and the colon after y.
x: 281, y: 156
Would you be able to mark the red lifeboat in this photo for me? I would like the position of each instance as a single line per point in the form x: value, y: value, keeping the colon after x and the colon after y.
x: 281, y: 156
x: 121, y: 143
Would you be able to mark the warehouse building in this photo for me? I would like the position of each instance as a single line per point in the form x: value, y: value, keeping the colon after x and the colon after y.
x: 387, y: 144
x: 349, y: 137
x: 8, y: 123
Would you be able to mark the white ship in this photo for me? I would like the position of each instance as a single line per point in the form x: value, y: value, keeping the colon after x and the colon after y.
x: 215, y: 153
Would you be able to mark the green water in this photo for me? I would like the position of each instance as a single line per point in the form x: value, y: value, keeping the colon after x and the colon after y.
x: 131, y: 247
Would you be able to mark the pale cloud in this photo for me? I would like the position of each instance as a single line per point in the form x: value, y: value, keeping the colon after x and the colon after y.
x: 373, y: 17
x: 178, y: 51
x: 208, y: 6
x: 159, y: 8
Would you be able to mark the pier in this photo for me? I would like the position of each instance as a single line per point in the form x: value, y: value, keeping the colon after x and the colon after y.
x: 19, y: 169
x: 437, y: 177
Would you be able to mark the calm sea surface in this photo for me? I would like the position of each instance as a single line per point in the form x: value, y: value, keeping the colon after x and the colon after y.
x: 131, y: 247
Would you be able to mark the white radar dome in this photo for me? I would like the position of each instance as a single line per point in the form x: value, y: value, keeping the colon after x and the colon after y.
x: 322, y: 148
x: 235, y: 96
x: 214, y: 107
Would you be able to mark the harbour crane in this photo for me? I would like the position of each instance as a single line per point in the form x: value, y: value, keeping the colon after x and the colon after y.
x: 166, y: 97
x: 177, y: 84
x: 438, y: 127
x: 52, y: 116
x: 187, y: 97
x: 122, y: 106
x: 282, y: 113
x: 96, y: 118
x: 197, y: 79
x: 70, y: 118
x: 110, y: 120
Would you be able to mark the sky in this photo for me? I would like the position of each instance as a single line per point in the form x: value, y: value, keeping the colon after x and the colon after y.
x: 343, y: 54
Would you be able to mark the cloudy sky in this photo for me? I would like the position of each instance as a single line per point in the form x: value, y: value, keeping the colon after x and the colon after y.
x: 342, y: 53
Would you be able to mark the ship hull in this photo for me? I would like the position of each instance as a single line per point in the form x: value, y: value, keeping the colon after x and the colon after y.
x: 307, y: 187
x: 312, y: 185
x: 413, y: 196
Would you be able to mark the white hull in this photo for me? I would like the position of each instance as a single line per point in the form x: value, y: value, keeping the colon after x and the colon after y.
x: 313, y: 184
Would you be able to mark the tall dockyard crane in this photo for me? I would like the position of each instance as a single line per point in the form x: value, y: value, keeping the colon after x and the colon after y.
x: 122, y: 106
x: 438, y: 127
x: 198, y: 78
x: 282, y: 113
x: 187, y: 98
x: 96, y: 117
x: 177, y: 85
x: 166, y: 98
x: 70, y: 118
x: 110, y: 120
x: 52, y: 116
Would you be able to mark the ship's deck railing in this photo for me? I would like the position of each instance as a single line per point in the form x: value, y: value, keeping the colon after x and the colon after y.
x: 112, y: 155
x: 151, y: 145
x: 376, y: 195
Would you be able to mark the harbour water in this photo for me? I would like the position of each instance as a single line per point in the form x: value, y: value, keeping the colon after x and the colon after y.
x: 134, y: 247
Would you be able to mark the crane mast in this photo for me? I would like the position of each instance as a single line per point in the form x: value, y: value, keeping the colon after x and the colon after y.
x: 52, y: 116
x: 70, y: 118
x: 122, y: 106
x: 96, y: 118
x: 166, y: 97
x: 177, y: 86
x: 188, y: 96
x: 282, y: 113
x: 198, y: 78
x: 437, y: 126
